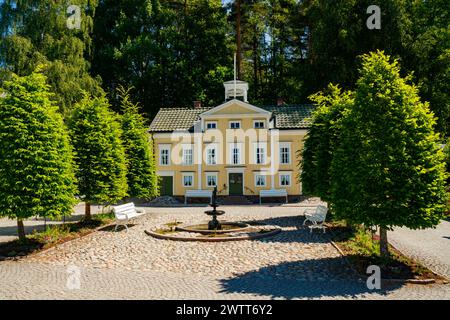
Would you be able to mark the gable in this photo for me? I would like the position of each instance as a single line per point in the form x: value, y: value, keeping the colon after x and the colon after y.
x: 235, y: 107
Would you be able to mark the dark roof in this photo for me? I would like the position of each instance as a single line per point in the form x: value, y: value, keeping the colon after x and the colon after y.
x: 286, y: 117
x: 291, y: 116
x: 170, y: 119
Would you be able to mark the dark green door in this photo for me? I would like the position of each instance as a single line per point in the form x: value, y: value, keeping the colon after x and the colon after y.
x: 166, y: 186
x: 236, y: 184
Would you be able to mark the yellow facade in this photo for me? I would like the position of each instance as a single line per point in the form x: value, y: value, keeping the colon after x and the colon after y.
x: 245, y: 142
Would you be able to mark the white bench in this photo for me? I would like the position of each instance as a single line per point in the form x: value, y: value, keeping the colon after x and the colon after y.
x: 273, y: 193
x: 316, y: 217
x: 197, y: 194
x: 124, y: 213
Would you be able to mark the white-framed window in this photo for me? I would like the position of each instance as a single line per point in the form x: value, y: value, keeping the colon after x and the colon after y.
x: 285, y: 179
x: 259, y: 124
x: 285, y: 152
x: 188, y: 154
x: 235, y: 124
x: 211, y: 155
x: 260, y: 153
x: 211, y: 125
x: 260, y: 180
x: 211, y: 179
x: 164, y: 155
x: 235, y: 153
x: 188, y: 179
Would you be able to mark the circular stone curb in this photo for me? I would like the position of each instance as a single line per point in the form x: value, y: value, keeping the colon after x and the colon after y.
x: 218, y: 239
x: 243, y: 227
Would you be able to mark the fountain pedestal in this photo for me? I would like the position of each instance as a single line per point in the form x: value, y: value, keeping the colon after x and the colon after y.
x: 214, y: 224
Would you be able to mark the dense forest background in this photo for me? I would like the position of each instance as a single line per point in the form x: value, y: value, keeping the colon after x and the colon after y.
x: 176, y: 51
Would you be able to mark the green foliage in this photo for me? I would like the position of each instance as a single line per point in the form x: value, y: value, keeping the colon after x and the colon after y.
x: 36, y: 175
x: 322, y: 140
x: 35, y: 32
x: 447, y: 155
x: 99, y: 154
x: 141, y: 173
x: 389, y: 168
x: 172, y: 53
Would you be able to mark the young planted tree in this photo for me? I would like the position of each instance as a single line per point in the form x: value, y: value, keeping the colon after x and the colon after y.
x: 389, y: 168
x: 99, y: 154
x: 141, y: 173
x: 36, y: 164
x: 322, y: 139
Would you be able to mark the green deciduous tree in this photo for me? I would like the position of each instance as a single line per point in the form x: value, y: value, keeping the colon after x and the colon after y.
x: 34, y: 32
x: 389, y: 168
x: 322, y: 140
x: 99, y: 154
x: 141, y: 173
x: 36, y: 164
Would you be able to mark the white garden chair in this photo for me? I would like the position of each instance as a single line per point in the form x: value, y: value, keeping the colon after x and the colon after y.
x: 317, y: 217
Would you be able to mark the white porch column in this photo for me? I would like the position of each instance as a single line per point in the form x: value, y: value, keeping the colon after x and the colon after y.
x: 274, y: 137
x: 199, y: 148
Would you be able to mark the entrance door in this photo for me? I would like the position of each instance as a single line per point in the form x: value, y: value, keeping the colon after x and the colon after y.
x: 166, y: 187
x: 236, y: 184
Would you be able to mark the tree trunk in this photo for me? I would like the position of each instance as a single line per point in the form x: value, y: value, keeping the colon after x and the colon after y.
x: 384, y: 249
x: 20, y: 230
x: 87, y: 211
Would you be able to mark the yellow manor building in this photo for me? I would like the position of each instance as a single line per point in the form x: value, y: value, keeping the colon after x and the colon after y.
x: 249, y: 152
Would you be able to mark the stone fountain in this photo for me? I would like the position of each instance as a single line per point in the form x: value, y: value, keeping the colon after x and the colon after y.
x: 214, y: 224
x: 215, y: 231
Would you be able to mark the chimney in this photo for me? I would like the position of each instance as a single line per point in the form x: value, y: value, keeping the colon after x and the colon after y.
x: 197, y: 104
x: 280, y: 101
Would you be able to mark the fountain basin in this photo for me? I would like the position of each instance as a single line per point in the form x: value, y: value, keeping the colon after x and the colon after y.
x: 215, y: 212
x: 227, y: 227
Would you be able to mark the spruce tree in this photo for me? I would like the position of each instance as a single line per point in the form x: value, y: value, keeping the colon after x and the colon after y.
x: 99, y: 154
x: 141, y: 166
x: 36, y: 164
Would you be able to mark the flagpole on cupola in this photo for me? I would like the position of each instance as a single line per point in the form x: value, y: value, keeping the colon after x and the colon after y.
x: 235, y: 86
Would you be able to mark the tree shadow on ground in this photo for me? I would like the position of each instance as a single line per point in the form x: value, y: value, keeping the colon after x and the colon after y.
x: 308, y: 279
x: 298, y: 233
x: 111, y: 228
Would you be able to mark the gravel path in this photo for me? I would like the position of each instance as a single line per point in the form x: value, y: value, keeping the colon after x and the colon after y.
x: 429, y: 246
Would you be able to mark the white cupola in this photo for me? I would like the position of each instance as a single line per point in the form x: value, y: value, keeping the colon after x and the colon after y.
x: 235, y: 89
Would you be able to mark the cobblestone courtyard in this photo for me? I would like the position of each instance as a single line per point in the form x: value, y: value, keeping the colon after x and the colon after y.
x: 131, y: 265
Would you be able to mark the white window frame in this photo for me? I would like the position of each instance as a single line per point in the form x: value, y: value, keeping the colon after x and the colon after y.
x: 289, y: 174
x: 237, y: 146
x: 284, y: 145
x: 185, y: 148
x: 187, y: 174
x: 256, y: 146
x: 259, y: 121
x: 216, y: 149
x: 211, y: 122
x: 211, y: 174
x: 164, y: 147
x: 234, y: 121
x: 257, y: 175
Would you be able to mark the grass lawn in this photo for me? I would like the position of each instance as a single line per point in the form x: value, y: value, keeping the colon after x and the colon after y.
x: 53, y: 235
x: 361, y: 247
